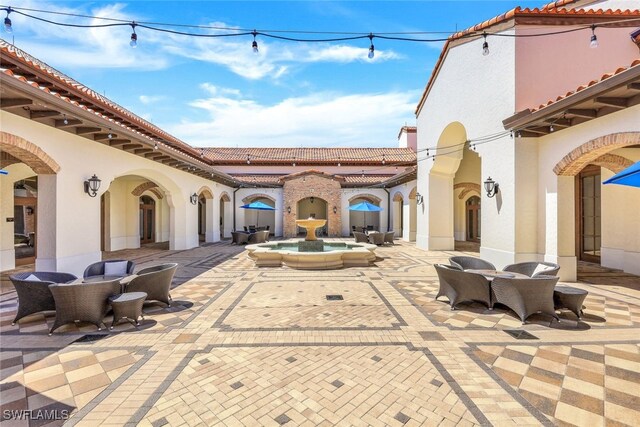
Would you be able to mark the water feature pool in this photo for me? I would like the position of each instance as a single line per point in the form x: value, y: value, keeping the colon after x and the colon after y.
x: 334, y: 255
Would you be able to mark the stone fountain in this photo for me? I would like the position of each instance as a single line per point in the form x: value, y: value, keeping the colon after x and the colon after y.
x: 311, y: 242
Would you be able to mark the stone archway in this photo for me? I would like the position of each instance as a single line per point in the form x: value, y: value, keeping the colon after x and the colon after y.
x: 205, y: 212
x: 398, y: 213
x: 325, y: 187
x: 588, y: 152
x: 147, y: 186
x: 225, y: 215
x: 467, y: 187
x: 25, y: 158
x: 368, y: 197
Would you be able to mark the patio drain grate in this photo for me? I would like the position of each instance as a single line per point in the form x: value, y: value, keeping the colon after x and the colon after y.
x: 89, y: 338
x: 334, y: 298
x: 521, y: 335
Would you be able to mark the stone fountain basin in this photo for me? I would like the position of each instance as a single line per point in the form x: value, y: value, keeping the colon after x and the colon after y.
x: 276, y: 254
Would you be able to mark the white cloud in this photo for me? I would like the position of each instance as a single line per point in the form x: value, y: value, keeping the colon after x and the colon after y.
x: 321, y: 119
x: 151, y: 99
x: 345, y: 53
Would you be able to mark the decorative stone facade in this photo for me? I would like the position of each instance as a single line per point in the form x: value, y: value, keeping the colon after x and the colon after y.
x: 588, y: 152
x: 316, y: 185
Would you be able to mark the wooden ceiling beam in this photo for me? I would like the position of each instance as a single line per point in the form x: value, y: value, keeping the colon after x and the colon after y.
x: 612, y: 102
x: 44, y: 114
x: 583, y: 112
x: 15, y: 102
x: 84, y: 130
x: 118, y: 141
x: 70, y: 123
x: 128, y: 147
x: 142, y: 150
x: 633, y: 86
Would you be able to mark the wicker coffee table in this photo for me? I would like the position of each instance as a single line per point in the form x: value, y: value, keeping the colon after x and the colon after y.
x: 127, y: 306
x: 570, y: 298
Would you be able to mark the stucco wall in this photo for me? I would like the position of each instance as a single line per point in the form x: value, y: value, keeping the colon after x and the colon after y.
x: 574, y: 62
x: 478, y: 92
x: 72, y: 240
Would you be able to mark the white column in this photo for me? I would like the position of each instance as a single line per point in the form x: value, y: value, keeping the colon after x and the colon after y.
x: 439, y: 203
x: 46, y: 233
x: 7, y: 252
x: 212, y: 227
x: 560, y: 227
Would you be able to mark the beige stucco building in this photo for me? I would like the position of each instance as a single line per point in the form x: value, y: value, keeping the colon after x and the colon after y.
x: 546, y: 117
x: 56, y: 134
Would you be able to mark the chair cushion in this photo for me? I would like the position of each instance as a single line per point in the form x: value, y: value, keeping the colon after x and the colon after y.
x: 115, y: 268
x: 540, y: 268
x: 32, y: 278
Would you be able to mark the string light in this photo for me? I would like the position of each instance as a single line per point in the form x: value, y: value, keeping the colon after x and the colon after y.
x: 594, y: 39
x: 254, y: 45
x: 339, y: 164
x: 155, y: 145
x: 551, y: 128
x: 485, y: 45
x: 248, y: 159
x: 65, y: 121
x: 109, y: 135
x: 384, y: 161
x: 371, y: 48
x: 202, y: 153
x: 134, y: 37
x: 7, y: 21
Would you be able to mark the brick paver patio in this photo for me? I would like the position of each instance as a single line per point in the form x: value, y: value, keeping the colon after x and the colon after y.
x: 243, y: 345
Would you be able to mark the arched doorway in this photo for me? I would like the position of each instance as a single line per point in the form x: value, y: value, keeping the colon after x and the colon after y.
x: 206, y: 221
x: 366, y: 220
x: 472, y: 218
x: 313, y: 207
x: 202, y: 218
x: 398, y: 214
x: 260, y: 218
x: 25, y: 217
x: 225, y: 216
x: 589, y: 233
x: 147, y: 220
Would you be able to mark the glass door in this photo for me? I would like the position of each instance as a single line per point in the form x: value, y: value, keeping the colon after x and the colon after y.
x: 147, y: 220
x: 473, y: 219
x: 589, y: 181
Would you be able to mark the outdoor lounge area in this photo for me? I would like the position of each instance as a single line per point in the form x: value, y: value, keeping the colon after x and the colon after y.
x: 370, y: 345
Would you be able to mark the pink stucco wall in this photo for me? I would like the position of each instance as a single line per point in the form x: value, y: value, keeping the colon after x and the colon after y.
x: 549, y: 66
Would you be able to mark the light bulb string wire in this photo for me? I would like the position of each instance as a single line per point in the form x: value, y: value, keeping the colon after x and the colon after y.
x: 238, y: 32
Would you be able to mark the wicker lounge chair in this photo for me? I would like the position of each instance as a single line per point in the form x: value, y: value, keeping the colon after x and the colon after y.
x: 155, y: 281
x: 86, y: 302
x: 34, y: 296
x: 376, y: 238
x: 525, y: 296
x: 470, y: 263
x: 534, y: 269
x: 239, y: 237
x: 360, y: 237
x: 97, y: 269
x: 258, y: 237
x: 459, y: 286
x: 389, y: 236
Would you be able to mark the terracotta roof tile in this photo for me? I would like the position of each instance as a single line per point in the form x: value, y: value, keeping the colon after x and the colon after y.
x: 604, y: 77
x: 355, y: 179
x: 310, y: 156
x: 550, y: 10
x: 93, y: 97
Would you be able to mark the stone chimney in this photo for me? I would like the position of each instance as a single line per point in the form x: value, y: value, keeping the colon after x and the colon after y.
x: 408, y: 137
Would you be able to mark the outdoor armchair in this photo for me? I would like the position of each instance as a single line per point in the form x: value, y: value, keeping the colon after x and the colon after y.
x: 470, y: 263
x: 459, y: 286
x: 85, y: 302
x: 239, y: 237
x: 98, y: 268
x: 258, y: 237
x: 360, y: 237
x: 534, y: 269
x: 389, y: 236
x: 155, y: 281
x: 33, y: 291
x: 376, y: 238
x: 525, y: 296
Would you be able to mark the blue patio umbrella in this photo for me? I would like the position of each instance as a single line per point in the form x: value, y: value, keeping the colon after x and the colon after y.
x: 630, y: 176
x: 365, y: 207
x: 3, y: 172
x: 259, y: 206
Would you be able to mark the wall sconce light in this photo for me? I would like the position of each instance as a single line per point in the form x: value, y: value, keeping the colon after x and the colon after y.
x: 312, y: 199
x: 29, y: 210
x: 288, y: 209
x: 92, y: 185
x: 491, y: 187
x: 194, y: 199
x: 335, y: 209
x: 419, y: 198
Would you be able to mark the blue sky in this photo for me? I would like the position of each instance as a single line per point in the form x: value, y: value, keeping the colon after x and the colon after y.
x: 213, y: 92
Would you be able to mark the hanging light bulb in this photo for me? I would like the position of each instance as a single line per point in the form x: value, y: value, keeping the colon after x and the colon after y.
x: 551, y: 128
x: 594, y: 39
x: 384, y: 161
x: 7, y: 22
x: 485, y: 45
x: 371, y: 48
x: 134, y: 37
x: 248, y: 159
x: 254, y: 45
x: 109, y: 135
x: 65, y: 121
x: 202, y: 153
x: 294, y: 162
x: 363, y: 173
x: 155, y: 146
x: 427, y: 152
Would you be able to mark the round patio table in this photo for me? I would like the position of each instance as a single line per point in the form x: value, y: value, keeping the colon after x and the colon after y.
x: 570, y: 298
x: 492, y: 274
x: 127, y: 306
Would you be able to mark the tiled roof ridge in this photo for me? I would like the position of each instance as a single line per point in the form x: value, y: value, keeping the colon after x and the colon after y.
x: 310, y: 154
x: 582, y: 87
x: 29, y: 60
x: 550, y: 9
